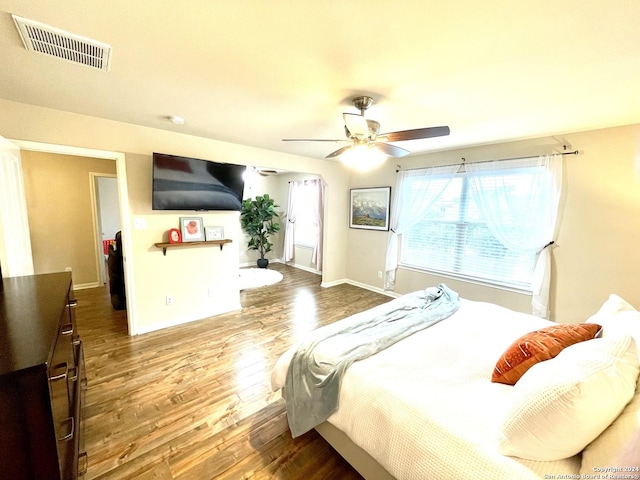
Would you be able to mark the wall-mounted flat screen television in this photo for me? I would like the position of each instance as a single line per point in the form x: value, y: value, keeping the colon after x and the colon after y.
x: 182, y: 183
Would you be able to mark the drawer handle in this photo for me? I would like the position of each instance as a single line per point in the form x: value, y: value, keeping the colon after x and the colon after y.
x: 69, y: 421
x: 82, y: 467
x: 72, y: 303
x: 74, y: 375
x: 59, y: 376
x: 66, y: 329
x: 75, y: 340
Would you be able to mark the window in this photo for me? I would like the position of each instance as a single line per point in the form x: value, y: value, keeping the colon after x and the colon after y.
x: 454, y: 237
x: 305, y: 227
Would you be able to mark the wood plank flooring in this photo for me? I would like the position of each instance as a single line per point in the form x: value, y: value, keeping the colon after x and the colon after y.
x: 194, y: 401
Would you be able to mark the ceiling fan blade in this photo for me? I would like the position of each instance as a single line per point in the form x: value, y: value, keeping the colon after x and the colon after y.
x: 265, y: 172
x: 391, y: 150
x: 356, y: 124
x: 312, y: 140
x: 416, y: 134
x: 338, y: 152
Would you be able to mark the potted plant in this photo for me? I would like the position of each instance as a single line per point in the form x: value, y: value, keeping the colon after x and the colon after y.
x: 257, y: 220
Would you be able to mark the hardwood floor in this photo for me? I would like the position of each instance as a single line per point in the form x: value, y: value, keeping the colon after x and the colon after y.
x: 194, y: 401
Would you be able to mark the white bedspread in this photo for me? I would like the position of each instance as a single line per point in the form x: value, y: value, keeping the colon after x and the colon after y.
x: 425, y: 408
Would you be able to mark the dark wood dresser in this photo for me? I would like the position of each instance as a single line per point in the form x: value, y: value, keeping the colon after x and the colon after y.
x: 42, y: 379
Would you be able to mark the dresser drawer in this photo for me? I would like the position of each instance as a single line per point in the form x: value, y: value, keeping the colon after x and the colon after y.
x: 63, y: 388
x: 80, y: 463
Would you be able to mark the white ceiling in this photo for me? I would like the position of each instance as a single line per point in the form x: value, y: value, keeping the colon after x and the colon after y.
x: 254, y: 72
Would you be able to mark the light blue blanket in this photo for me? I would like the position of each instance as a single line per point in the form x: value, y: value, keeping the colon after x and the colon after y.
x: 315, y: 373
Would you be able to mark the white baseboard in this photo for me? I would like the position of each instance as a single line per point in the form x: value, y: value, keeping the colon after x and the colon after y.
x: 361, y: 285
x: 373, y: 289
x: 306, y: 269
x: 179, y: 321
x: 253, y: 264
x: 335, y: 282
x: 83, y: 286
x: 277, y: 260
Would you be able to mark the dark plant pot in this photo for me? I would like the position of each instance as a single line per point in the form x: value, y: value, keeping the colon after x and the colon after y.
x: 263, y: 262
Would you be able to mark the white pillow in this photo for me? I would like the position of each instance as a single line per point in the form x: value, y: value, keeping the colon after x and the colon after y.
x: 562, y: 404
x: 615, y: 304
x: 616, y: 316
x: 606, y: 448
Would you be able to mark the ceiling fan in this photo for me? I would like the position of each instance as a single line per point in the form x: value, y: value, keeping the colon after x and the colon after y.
x: 362, y: 131
x: 266, y: 172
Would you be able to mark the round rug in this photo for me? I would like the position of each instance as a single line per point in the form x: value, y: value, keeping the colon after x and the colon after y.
x: 258, y: 277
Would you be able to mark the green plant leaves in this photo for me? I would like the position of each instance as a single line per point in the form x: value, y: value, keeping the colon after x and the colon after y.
x: 257, y: 220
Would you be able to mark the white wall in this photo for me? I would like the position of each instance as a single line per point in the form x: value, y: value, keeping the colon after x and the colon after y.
x: 108, y: 206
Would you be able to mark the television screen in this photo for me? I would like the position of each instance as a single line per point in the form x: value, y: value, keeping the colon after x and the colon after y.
x: 182, y: 183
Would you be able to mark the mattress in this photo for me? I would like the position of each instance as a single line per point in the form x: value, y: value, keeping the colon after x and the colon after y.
x: 426, y: 408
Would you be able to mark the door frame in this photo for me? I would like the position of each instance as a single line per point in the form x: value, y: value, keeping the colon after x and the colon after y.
x: 125, y: 214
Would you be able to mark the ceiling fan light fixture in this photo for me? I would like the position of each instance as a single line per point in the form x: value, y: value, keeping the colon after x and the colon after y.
x: 362, y: 157
x: 249, y: 174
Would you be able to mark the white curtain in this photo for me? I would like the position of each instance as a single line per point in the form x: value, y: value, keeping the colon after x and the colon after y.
x: 289, y: 246
x: 15, y: 242
x: 415, y: 193
x: 318, y: 212
x: 314, y: 189
x: 522, y: 222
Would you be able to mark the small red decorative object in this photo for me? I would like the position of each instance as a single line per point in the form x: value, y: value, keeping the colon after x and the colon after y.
x: 175, y: 236
x: 106, y: 244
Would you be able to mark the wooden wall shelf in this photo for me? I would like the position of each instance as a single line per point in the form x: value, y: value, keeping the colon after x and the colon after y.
x: 164, y: 246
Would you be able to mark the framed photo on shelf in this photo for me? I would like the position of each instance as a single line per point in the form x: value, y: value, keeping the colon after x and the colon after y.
x: 369, y: 208
x: 213, y: 233
x: 191, y: 228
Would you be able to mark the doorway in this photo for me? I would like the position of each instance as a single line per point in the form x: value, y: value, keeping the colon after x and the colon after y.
x: 123, y: 197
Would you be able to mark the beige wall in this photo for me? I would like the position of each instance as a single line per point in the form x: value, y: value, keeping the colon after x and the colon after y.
x: 595, y: 255
x: 596, y: 249
x: 186, y: 274
x: 59, y: 205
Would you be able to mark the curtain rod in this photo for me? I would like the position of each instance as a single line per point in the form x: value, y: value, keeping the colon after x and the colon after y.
x: 574, y: 152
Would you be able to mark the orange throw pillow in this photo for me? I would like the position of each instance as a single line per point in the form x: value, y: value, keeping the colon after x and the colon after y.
x: 538, y: 346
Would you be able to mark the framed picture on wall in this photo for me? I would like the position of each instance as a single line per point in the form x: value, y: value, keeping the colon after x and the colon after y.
x: 369, y: 208
x: 191, y: 228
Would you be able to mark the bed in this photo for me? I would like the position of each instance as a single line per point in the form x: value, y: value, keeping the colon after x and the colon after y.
x: 426, y: 406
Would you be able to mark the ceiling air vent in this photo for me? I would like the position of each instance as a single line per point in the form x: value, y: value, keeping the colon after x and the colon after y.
x: 41, y: 38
